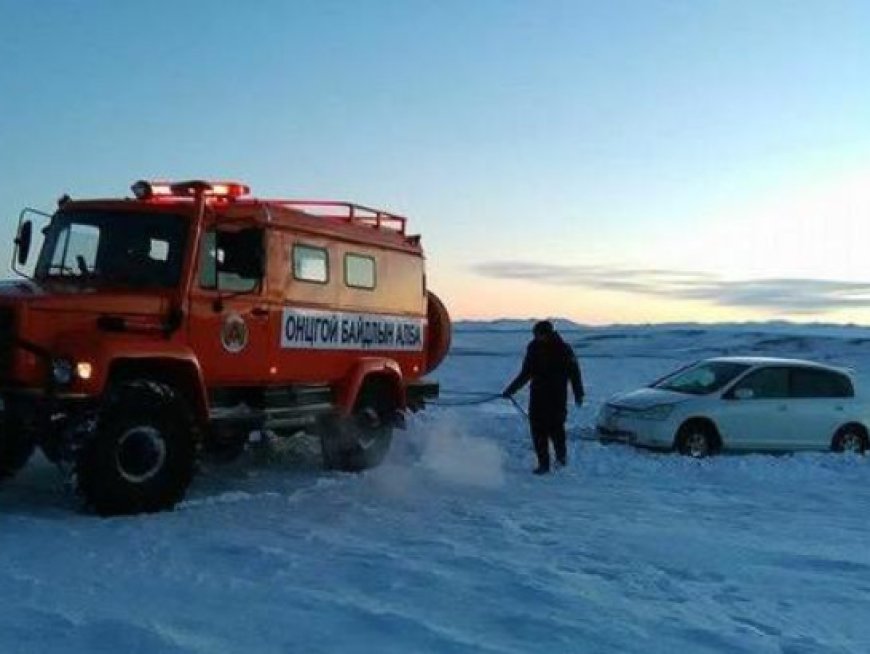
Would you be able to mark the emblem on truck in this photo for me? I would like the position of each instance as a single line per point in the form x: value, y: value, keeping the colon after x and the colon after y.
x: 234, y: 333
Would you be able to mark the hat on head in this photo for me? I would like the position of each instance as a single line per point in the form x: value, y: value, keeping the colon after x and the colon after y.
x: 543, y: 328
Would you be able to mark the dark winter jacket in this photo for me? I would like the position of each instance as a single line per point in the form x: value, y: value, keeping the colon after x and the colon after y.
x: 549, y: 365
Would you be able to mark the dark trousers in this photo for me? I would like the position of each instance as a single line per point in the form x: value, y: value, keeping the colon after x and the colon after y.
x: 545, y: 431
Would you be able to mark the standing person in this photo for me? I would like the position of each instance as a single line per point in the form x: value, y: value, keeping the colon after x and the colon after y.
x: 549, y: 364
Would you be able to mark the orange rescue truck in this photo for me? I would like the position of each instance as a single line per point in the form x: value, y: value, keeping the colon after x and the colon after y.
x: 190, y: 316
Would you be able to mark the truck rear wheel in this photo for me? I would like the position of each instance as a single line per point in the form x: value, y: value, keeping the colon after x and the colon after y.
x: 362, y: 440
x: 16, y: 444
x: 140, y: 457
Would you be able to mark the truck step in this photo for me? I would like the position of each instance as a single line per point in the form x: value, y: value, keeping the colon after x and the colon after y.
x: 283, y: 417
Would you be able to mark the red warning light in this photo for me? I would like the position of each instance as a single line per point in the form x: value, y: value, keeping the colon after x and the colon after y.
x: 145, y: 190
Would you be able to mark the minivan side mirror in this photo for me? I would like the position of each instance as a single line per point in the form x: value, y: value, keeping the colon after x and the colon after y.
x: 744, y: 394
x: 23, y: 241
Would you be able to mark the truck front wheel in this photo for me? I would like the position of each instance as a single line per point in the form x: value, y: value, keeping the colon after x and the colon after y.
x: 361, y: 440
x: 140, y: 457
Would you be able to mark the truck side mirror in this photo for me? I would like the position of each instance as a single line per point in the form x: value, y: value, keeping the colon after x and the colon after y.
x: 23, y: 241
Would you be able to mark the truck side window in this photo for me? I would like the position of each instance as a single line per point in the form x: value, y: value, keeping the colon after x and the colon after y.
x: 359, y: 271
x: 310, y: 264
x: 231, y: 261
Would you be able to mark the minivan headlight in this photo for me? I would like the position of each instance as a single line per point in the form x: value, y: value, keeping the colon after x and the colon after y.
x: 658, y: 412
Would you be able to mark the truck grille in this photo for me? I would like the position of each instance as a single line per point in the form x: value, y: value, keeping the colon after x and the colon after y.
x: 7, y: 340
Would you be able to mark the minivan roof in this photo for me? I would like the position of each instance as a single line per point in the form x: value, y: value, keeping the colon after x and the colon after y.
x: 778, y: 361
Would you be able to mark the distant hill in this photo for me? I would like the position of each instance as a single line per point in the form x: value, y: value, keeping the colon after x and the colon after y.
x: 771, y: 326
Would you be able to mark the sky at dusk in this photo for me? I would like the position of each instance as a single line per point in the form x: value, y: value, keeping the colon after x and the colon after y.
x: 607, y: 162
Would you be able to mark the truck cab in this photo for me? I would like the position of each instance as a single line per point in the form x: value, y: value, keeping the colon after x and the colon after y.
x: 150, y: 329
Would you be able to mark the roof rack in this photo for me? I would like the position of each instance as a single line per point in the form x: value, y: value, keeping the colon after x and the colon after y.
x: 347, y: 212
x: 354, y: 214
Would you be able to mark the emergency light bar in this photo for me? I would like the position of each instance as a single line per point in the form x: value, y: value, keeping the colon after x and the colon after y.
x: 145, y: 190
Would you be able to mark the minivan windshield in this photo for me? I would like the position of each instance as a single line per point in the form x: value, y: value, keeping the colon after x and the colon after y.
x: 703, y: 378
x: 114, y: 248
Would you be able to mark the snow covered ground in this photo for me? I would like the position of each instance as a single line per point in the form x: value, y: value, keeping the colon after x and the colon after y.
x: 453, y: 546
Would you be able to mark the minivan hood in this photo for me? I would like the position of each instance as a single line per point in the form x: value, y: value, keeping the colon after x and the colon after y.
x: 644, y: 398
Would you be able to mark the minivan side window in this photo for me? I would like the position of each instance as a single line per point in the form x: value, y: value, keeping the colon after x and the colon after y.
x: 765, y: 384
x: 359, y: 271
x: 809, y: 382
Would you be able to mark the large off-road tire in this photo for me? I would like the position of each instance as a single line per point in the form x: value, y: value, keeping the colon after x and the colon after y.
x: 16, y: 444
x: 851, y: 439
x: 697, y: 439
x: 362, y: 440
x: 140, y: 457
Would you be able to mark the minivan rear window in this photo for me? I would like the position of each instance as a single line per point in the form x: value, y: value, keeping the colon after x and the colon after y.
x: 809, y: 382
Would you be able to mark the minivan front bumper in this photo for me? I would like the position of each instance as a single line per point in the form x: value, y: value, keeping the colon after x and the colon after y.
x: 615, y: 425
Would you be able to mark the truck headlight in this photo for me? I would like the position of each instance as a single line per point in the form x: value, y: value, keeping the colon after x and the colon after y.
x: 62, y: 371
x: 658, y: 412
x: 84, y: 370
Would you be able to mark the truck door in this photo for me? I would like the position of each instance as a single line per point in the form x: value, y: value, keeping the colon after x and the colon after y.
x: 229, y: 314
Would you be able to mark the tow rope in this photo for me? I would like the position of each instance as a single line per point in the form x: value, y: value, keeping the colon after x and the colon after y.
x: 476, y: 398
x: 472, y: 398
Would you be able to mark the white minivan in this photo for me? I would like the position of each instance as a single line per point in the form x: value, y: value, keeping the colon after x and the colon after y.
x: 742, y: 403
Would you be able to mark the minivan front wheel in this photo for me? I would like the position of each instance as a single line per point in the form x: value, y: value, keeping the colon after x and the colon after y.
x: 697, y: 440
x: 850, y: 439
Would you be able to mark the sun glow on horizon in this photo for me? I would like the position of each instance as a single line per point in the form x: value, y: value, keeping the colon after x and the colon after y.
x: 806, y: 244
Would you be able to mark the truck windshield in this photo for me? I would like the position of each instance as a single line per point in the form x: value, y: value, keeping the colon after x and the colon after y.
x: 114, y: 248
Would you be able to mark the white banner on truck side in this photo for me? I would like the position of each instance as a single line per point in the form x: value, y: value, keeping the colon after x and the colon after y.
x: 311, y: 329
